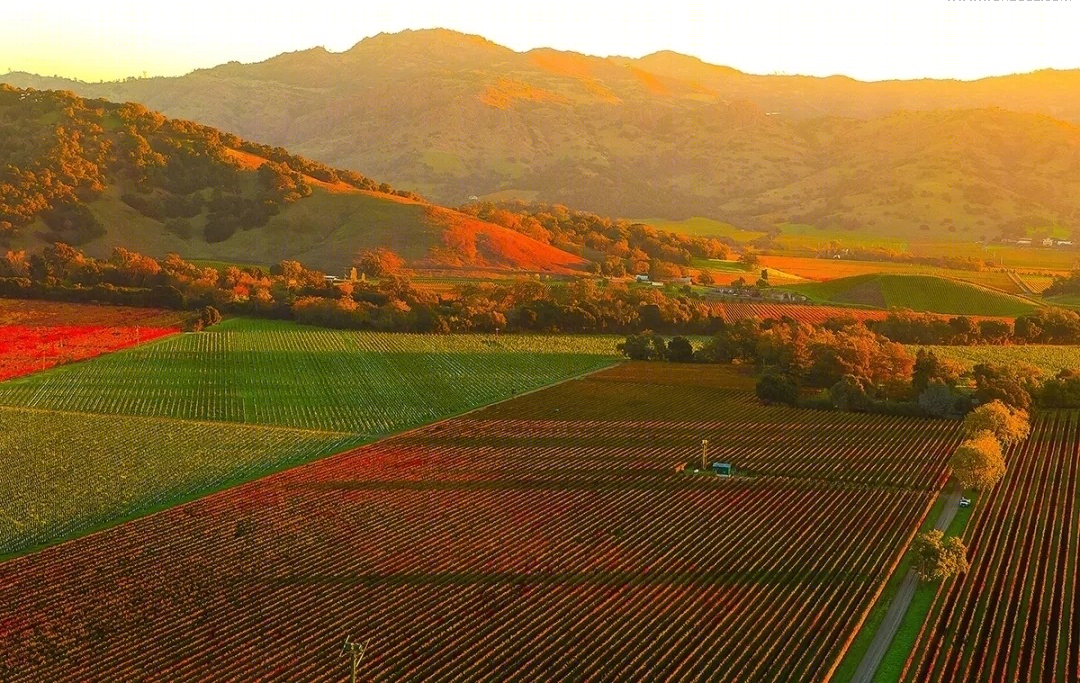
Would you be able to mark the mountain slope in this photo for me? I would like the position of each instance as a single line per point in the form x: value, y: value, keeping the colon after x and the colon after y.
x: 100, y: 175
x: 454, y: 116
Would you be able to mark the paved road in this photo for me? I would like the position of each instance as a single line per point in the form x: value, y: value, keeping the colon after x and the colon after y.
x: 886, y: 631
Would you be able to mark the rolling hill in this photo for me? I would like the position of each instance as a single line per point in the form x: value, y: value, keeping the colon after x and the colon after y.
x: 920, y: 293
x: 454, y: 116
x: 100, y: 175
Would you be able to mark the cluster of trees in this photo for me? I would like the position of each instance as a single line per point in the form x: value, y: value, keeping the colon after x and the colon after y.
x: 291, y: 291
x: 878, y: 253
x: 978, y: 463
x: 1023, y: 387
x: 58, y: 152
x: 845, y: 365
x: 1064, y: 284
x: 614, y: 247
x: 1046, y: 325
x: 652, y: 346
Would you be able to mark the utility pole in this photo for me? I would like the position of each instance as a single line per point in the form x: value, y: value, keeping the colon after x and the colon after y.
x: 357, y: 651
x: 704, y: 453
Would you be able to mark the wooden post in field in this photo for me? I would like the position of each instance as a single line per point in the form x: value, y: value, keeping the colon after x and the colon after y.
x: 357, y: 651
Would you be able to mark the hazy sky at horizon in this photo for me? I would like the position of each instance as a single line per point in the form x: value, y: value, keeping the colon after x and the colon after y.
x: 868, y: 39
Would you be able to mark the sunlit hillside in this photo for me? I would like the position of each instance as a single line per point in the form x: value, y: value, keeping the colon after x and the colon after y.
x: 667, y: 136
x: 100, y: 175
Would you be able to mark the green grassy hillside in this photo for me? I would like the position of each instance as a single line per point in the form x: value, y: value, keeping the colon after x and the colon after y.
x: 922, y: 293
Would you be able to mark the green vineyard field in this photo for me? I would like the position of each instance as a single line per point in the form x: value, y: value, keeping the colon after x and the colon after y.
x: 94, y: 443
x: 68, y: 473
x: 279, y: 373
x: 1048, y: 358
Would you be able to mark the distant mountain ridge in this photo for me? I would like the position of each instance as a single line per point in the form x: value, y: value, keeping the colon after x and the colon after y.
x: 455, y: 116
x: 100, y: 175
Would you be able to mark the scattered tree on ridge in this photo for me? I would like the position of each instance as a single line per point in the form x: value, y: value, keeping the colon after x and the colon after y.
x: 378, y: 262
x: 209, y: 316
x: 749, y: 260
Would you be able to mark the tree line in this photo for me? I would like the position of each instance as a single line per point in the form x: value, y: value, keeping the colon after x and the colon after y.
x: 977, y: 463
x: 848, y: 366
x: 288, y: 290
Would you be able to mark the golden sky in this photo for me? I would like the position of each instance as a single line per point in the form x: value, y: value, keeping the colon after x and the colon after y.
x: 869, y: 39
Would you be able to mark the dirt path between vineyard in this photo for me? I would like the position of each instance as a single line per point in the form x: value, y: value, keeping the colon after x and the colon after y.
x: 898, y: 608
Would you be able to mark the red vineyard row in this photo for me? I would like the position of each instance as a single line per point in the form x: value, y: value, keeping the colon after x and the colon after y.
x: 809, y: 314
x: 38, y: 313
x: 29, y: 349
x: 528, y: 541
x: 1015, y: 616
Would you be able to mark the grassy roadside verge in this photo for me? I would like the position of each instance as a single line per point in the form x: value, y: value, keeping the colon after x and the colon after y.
x: 893, y: 662
x: 862, y: 641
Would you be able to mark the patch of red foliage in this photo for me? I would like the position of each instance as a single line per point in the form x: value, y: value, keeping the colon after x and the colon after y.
x: 25, y: 349
x: 36, y: 313
x: 477, y: 243
x: 811, y: 315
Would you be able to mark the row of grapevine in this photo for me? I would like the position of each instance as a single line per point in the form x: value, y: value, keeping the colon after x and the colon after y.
x: 1015, y: 616
x: 1050, y: 358
x: 38, y: 313
x: 812, y: 315
x: 284, y: 374
x: 530, y: 540
x: 67, y: 473
x: 26, y: 349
